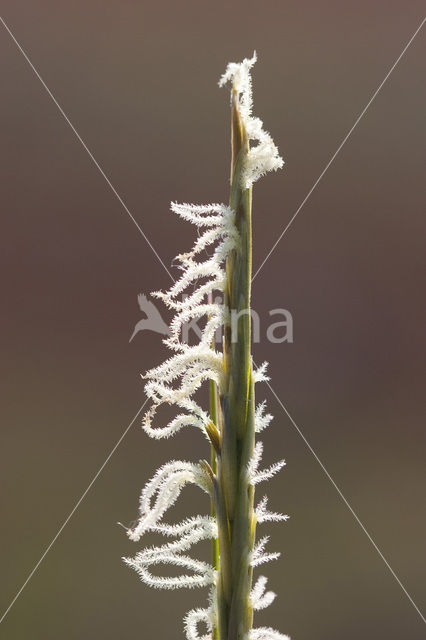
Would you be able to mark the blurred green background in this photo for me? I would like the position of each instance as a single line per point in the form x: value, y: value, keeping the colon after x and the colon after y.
x: 138, y: 80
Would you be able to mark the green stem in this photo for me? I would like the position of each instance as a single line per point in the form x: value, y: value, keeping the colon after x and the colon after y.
x: 234, y: 504
x: 213, y: 464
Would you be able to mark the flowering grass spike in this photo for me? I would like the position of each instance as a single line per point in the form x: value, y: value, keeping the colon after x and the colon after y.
x: 232, y: 420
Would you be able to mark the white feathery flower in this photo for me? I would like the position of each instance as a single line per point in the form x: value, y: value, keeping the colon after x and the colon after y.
x: 196, y: 213
x: 175, y: 425
x: 180, y: 528
x: 263, y: 515
x: 239, y: 74
x: 161, y: 492
x: 255, y: 460
x: 258, y: 555
x: 268, y: 473
x: 186, y: 314
x: 193, y: 619
x: 264, y: 156
x: 266, y: 633
x: 191, y: 531
x: 158, y: 495
x: 177, y: 379
x: 258, y: 597
x: 203, y: 573
x: 259, y: 476
x: 174, y: 382
x: 259, y: 374
x: 265, y: 601
x: 261, y: 419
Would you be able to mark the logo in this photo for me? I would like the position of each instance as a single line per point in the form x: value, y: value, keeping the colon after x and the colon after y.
x: 277, y: 330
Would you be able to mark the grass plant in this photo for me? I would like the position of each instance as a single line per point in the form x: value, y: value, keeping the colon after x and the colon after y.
x: 232, y: 421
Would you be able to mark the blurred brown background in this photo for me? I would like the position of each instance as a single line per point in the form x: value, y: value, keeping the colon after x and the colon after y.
x: 138, y: 80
